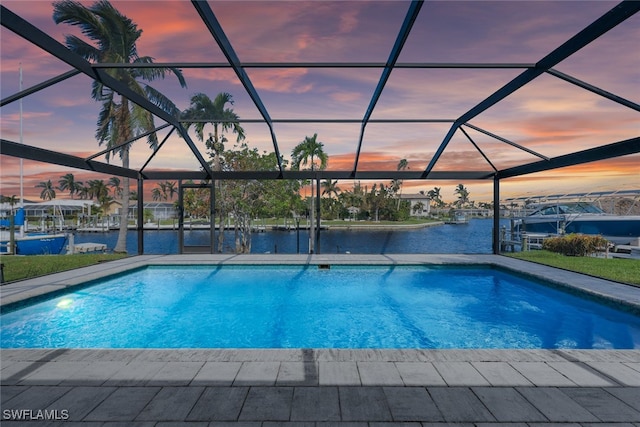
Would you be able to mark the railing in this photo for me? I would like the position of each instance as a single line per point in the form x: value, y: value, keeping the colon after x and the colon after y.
x: 510, y: 240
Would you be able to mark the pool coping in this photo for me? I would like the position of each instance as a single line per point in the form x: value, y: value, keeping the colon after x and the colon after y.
x: 626, y: 296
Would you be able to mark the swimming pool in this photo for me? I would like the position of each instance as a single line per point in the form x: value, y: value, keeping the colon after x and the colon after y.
x: 304, y: 306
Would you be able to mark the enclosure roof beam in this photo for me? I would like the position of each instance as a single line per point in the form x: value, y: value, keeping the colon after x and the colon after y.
x: 437, y: 65
x: 317, y: 120
x: 479, y: 149
x: 156, y: 150
x: 303, y: 175
x: 616, y: 149
x: 15, y: 149
x: 506, y: 141
x: 410, y: 18
x: 210, y: 20
x: 452, y: 130
x: 38, y: 87
x: 135, y: 138
x: 594, y: 89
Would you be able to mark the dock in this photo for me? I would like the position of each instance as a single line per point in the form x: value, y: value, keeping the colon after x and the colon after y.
x: 626, y: 251
x: 83, y: 248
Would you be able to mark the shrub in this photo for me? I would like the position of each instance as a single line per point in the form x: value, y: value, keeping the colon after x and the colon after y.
x: 575, y: 244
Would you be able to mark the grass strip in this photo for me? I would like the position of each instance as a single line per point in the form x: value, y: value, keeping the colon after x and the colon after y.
x: 616, y: 269
x: 26, y: 267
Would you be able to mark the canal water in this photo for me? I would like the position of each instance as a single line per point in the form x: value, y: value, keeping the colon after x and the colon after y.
x: 471, y: 238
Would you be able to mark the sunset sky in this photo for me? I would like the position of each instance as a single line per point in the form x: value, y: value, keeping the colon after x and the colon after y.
x: 549, y: 116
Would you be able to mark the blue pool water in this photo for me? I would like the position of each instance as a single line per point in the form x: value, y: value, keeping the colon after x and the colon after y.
x: 307, y: 307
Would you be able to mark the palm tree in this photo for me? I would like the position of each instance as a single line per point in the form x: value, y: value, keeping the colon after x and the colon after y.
x: 223, y: 119
x: 97, y: 189
x: 376, y: 198
x: 83, y: 192
x: 330, y: 188
x: 306, y: 153
x: 48, y: 192
x: 358, y: 194
x: 164, y: 191
x: 214, y: 112
x: 435, y: 196
x: 157, y: 195
x: 206, y: 111
x: 463, y: 195
x: 353, y: 199
x: 68, y: 183
x: 104, y: 201
x: 115, y: 37
x: 402, y: 165
x: 116, y: 187
x: 11, y: 200
x: 170, y: 189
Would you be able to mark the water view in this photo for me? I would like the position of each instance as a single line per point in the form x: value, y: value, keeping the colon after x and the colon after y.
x: 471, y: 238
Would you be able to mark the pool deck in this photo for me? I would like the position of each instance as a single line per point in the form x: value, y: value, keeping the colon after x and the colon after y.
x: 320, y: 387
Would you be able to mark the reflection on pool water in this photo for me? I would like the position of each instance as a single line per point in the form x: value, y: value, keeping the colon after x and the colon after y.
x: 308, y: 307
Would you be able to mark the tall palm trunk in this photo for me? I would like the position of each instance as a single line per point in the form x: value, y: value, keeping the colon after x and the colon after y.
x: 121, y: 244
x: 399, y: 195
x: 221, y: 217
x: 312, y: 228
x: 124, y: 130
x: 221, y: 212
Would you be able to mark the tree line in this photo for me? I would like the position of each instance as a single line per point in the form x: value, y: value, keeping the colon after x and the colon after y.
x: 380, y: 202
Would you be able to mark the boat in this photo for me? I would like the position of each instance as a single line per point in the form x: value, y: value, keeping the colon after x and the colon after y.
x: 29, y: 243
x: 583, y: 218
x: 34, y: 243
x: 458, y: 218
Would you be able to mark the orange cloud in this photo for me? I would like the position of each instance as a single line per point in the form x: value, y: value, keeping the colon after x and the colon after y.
x: 371, y: 160
x: 341, y: 162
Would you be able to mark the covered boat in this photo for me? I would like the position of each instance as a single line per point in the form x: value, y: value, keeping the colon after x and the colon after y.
x: 29, y: 243
x: 584, y: 218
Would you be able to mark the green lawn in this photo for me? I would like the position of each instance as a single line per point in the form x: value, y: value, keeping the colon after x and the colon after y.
x: 617, y: 269
x: 25, y: 267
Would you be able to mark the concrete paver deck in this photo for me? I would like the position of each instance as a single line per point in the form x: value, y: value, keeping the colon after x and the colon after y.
x: 318, y: 387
